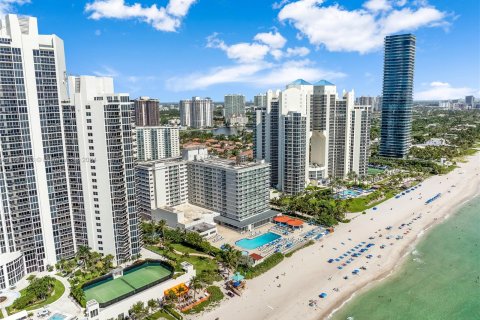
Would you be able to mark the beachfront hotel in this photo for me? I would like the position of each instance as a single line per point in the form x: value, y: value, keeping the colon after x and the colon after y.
x: 398, y: 69
x: 237, y: 190
x: 309, y: 134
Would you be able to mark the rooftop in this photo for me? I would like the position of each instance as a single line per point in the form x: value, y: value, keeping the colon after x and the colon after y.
x: 300, y: 82
x: 202, y: 227
x: 323, y: 83
x: 230, y: 164
x: 190, y: 212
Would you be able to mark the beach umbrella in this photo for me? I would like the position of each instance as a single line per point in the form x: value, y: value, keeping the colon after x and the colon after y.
x: 323, y: 295
x: 237, y: 277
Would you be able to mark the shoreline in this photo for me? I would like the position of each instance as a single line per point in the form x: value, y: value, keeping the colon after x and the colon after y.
x: 284, y: 291
x: 409, y: 248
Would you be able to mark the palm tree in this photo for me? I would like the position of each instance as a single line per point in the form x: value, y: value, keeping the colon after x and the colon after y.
x: 138, y: 310
x: 152, y: 304
x: 230, y: 257
x: 196, y: 284
x: 160, y: 227
x: 83, y: 254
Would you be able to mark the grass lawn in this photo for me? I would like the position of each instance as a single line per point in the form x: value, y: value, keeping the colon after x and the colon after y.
x: 200, y: 263
x: 363, y: 203
x: 58, y: 291
x: 374, y: 171
x: 1, y: 314
x: 161, y: 314
x: 185, y: 249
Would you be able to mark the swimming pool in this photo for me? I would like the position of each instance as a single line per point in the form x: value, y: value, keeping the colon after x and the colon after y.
x: 259, y: 241
x: 57, y: 316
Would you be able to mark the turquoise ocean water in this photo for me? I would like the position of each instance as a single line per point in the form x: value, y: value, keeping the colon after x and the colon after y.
x: 440, y: 279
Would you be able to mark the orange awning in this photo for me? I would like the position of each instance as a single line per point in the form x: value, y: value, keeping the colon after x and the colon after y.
x: 177, y: 289
x: 281, y: 219
x: 295, y: 223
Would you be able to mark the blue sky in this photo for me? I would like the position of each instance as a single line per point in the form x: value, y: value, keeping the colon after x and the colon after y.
x: 174, y: 49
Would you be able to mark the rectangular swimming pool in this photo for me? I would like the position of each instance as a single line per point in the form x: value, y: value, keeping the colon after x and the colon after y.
x: 57, y: 316
x: 259, y: 241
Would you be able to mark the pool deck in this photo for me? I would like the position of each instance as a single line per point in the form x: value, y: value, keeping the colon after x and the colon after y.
x: 231, y: 236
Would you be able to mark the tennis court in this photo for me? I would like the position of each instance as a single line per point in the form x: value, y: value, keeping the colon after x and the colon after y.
x: 132, y: 280
x: 145, y: 275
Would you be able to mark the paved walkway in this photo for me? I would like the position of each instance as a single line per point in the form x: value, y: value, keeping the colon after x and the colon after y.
x: 194, y: 254
x: 64, y: 304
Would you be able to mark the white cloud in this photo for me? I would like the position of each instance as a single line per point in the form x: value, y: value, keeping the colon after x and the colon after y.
x: 272, y: 39
x: 241, y: 52
x: 291, y: 70
x: 280, y: 4
x: 444, y: 91
x: 262, y: 74
x: 179, y: 8
x: 263, y: 44
x: 407, y: 19
x: 161, y: 18
x: 253, y: 65
x: 8, y: 6
x: 361, y: 30
x: 106, y: 71
x: 377, y: 5
x: 297, y: 51
x: 240, y: 73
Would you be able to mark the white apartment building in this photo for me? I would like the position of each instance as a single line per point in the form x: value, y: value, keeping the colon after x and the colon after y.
x: 154, y: 143
x: 36, y: 224
x: 308, y: 134
x: 196, y: 112
x: 360, y: 139
x: 161, y: 183
x: 293, y: 133
x: 103, y: 125
x: 260, y: 100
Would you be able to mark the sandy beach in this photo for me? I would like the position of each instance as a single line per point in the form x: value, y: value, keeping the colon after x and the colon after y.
x: 284, y: 292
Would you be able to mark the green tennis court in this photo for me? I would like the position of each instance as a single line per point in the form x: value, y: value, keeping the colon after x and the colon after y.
x: 145, y: 275
x: 132, y: 280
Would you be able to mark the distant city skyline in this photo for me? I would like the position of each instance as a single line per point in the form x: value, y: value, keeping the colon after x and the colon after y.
x: 183, y: 54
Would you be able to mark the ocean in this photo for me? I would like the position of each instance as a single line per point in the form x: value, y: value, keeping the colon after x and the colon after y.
x: 440, y: 279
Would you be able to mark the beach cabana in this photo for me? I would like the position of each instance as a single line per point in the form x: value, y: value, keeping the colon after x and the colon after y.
x: 281, y: 219
x: 295, y: 223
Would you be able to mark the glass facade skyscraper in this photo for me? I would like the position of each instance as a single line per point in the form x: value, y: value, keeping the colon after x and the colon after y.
x: 397, y: 95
